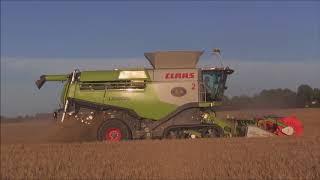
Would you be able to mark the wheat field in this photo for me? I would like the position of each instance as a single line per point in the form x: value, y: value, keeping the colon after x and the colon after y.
x: 33, y: 150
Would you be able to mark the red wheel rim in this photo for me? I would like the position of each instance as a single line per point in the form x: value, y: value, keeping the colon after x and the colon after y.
x: 113, y: 134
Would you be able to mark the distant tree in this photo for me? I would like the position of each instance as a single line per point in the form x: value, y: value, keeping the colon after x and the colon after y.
x: 226, y: 100
x: 279, y: 98
x: 316, y: 94
x: 241, y: 101
x: 316, y: 97
x: 276, y: 98
x: 304, y: 95
x: 272, y: 98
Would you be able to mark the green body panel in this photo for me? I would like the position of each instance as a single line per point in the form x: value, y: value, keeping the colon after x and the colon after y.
x: 64, y: 92
x: 71, y: 90
x: 63, y: 77
x: 143, y: 102
x: 95, y: 96
x: 99, y: 75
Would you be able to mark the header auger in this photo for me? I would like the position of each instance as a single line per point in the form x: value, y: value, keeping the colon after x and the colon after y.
x: 174, y: 99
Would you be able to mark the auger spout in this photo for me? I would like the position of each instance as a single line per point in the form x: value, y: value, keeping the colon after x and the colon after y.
x: 44, y: 78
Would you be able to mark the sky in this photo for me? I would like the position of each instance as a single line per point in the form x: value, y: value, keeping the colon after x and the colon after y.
x: 269, y: 44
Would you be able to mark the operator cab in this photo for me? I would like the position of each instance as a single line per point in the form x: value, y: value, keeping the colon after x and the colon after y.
x: 213, y: 83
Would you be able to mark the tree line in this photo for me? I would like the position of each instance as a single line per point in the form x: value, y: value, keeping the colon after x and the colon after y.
x: 305, y: 96
x: 20, y: 118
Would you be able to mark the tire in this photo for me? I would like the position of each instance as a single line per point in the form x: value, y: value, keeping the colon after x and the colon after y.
x: 113, y: 130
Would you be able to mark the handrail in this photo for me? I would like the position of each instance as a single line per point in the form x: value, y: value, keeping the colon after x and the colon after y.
x: 202, y: 92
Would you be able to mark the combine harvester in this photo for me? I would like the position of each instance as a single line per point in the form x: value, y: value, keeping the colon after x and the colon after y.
x: 174, y: 99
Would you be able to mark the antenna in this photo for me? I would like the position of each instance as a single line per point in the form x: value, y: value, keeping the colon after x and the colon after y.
x: 217, y: 52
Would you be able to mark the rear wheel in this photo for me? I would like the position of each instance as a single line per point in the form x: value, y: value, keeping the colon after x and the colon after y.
x: 113, y: 130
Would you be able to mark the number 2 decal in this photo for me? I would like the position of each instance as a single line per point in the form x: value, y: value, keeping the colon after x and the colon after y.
x: 193, y: 86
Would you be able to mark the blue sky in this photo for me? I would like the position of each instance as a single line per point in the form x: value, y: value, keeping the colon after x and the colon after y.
x: 55, y: 37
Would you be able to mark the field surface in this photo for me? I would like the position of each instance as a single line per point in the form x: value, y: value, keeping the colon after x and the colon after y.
x: 36, y: 150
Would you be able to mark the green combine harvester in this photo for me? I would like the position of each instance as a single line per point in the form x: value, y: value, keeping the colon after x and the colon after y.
x: 174, y: 99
